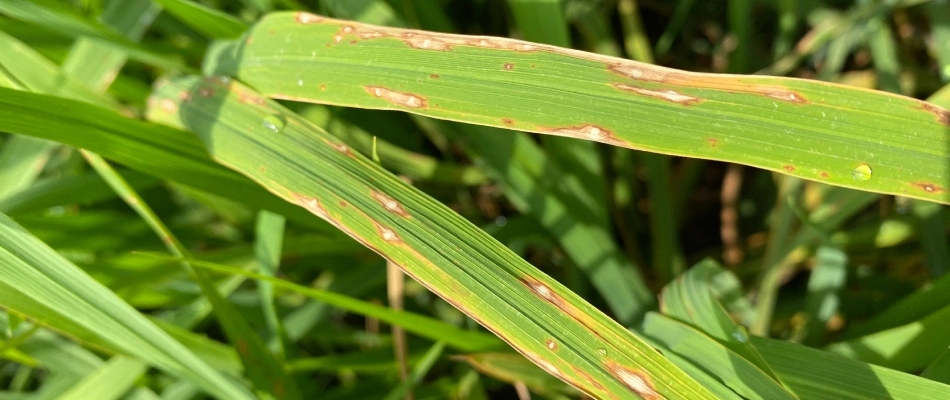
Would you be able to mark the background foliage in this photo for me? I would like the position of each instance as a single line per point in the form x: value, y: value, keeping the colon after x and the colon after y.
x: 159, y: 234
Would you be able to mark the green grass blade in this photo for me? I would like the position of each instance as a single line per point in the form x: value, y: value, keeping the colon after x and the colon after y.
x: 263, y: 368
x: 690, y: 298
x: 210, y: 22
x: 908, y: 348
x: 108, y: 382
x: 435, y: 246
x: 532, y: 183
x: 56, y: 17
x: 939, y: 370
x: 939, y: 14
x: 732, y: 369
x: 415, y: 323
x: 816, y: 374
x: 159, y: 151
x: 38, y: 282
x: 932, y: 230
x: 827, y: 278
x: 22, y: 159
x: 418, y: 372
x: 838, y: 131
x: 267, y: 247
x: 512, y: 368
x: 417, y: 166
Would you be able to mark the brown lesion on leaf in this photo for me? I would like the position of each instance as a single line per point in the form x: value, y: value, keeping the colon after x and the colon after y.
x: 509, y: 66
x: 651, y: 73
x: 785, y: 95
x: 788, y: 168
x: 928, y: 187
x: 508, y: 121
x: 403, y: 99
x: 713, y: 142
x: 668, y: 95
x: 544, y: 292
x: 641, y: 71
x: 247, y: 97
x: 941, y: 114
x: 551, y: 344
x: 386, y: 233
x: 824, y: 174
x: 313, y: 205
x: 389, y: 203
x: 434, y: 76
x: 342, y: 148
x: 544, y: 364
x: 307, y: 18
x: 433, y: 40
x: 184, y: 96
x: 586, y: 132
x: 634, y: 379
x: 205, y: 92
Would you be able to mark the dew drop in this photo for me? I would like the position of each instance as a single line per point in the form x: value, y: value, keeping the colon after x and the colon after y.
x: 861, y: 173
x: 501, y: 221
x: 740, y: 334
x: 273, y: 123
x: 602, y: 352
x: 299, y: 82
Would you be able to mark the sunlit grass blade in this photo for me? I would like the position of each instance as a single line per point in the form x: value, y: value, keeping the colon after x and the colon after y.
x: 816, y: 374
x: 627, y: 104
x: 61, y: 296
x: 432, y: 244
x: 269, y: 229
x: 908, y: 348
x: 735, y: 371
x: 532, y: 182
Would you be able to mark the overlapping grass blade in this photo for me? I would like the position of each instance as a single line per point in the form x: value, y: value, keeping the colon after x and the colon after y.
x: 519, y: 85
x: 536, y: 315
x: 38, y: 282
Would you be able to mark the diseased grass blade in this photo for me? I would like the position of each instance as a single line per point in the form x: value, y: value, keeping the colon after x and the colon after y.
x: 421, y: 325
x: 626, y: 103
x: 417, y: 166
x: 532, y: 183
x: 108, y: 382
x: 816, y: 374
x: 159, y: 151
x: 208, y: 21
x: 61, y: 296
x: 435, y: 246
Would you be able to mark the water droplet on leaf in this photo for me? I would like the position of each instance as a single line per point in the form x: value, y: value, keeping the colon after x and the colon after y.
x: 299, y: 82
x: 740, y: 334
x: 861, y: 173
x: 273, y: 123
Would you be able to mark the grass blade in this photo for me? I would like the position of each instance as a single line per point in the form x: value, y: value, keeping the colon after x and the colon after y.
x: 61, y: 296
x: 626, y: 103
x: 430, y: 242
